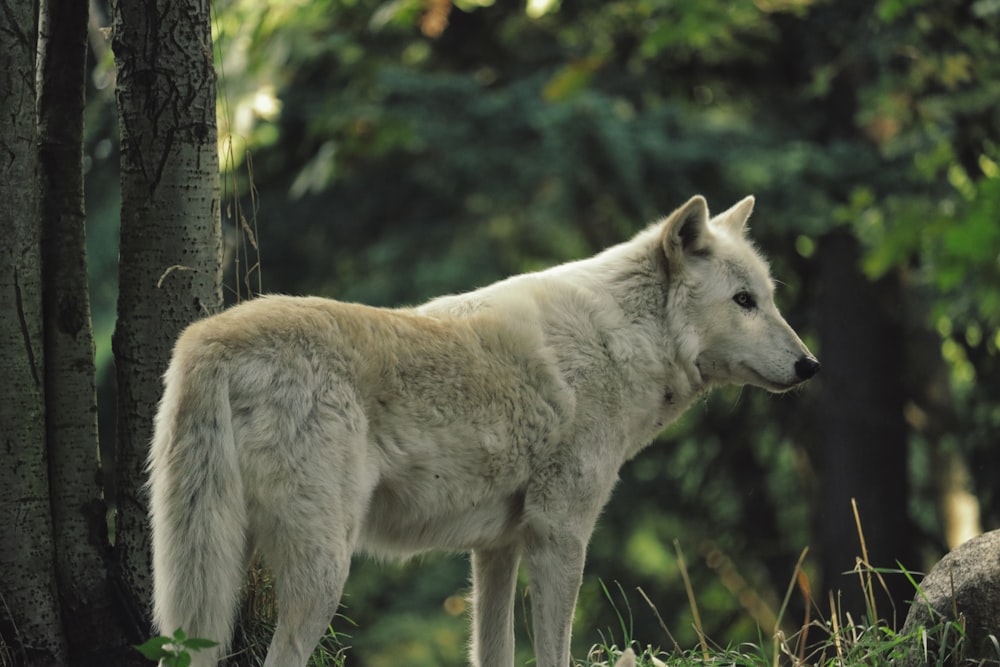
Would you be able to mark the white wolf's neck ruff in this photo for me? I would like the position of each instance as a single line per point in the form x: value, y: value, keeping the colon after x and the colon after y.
x: 656, y: 351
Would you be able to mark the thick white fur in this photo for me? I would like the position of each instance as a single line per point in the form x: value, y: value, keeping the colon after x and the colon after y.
x: 493, y: 422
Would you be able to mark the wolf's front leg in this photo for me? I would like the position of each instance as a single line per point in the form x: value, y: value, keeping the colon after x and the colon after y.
x: 555, y: 569
x: 494, y: 583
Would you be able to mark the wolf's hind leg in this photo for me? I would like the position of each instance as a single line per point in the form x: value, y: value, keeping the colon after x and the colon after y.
x: 305, y: 608
x: 307, y: 534
x: 309, y: 579
x: 494, y: 582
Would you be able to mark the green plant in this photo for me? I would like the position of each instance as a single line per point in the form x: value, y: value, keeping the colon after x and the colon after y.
x: 173, y: 651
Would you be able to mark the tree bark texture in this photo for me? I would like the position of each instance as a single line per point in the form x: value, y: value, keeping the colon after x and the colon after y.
x: 29, y: 615
x: 78, y: 510
x: 170, y: 256
x: 864, y: 445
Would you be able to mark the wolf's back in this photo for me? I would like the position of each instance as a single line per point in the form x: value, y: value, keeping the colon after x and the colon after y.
x: 197, y: 508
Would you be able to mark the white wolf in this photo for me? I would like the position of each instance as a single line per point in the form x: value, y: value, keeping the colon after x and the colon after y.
x: 494, y: 422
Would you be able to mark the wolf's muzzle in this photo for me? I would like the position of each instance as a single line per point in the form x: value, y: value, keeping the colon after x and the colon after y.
x: 806, y: 367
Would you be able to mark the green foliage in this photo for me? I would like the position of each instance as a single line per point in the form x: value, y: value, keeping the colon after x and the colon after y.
x: 392, y: 163
x: 174, y: 651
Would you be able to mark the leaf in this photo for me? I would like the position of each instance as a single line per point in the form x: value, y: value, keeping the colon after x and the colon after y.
x: 155, y: 648
x: 956, y: 69
x: 198, y: 643
x: 889, y: 10
x: 571, y: 79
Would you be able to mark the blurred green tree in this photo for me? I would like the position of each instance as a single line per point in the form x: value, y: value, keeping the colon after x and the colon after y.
x: 391, y: 151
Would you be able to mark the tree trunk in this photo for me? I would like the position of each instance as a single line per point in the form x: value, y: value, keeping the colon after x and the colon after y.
x: 78, y: 510
x: 864, y: 442
x: 29, y: 614
x: 170, y: 256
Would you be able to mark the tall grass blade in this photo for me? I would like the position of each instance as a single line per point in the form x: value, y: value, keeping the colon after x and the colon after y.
x: 691, y: 600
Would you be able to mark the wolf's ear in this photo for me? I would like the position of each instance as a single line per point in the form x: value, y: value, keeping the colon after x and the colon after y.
x: 735, y: 217
x: 685, y: 232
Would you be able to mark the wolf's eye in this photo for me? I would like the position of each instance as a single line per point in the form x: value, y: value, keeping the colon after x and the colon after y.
x: 745, y: 300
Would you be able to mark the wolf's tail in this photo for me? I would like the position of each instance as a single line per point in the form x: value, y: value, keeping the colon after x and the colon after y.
x: 197, y: 508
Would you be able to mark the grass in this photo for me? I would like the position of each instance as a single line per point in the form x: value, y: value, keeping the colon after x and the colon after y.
x: 826, y: 636
x: 823, y: 639
x: 831, y: 639
x: 834, y: 640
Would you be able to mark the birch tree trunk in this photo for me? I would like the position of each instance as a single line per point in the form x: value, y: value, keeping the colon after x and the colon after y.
x: 170, y: 256
x: 29, y: 615
x: 78, y: 510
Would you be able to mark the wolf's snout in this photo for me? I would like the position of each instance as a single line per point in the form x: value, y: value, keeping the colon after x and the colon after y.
x: 806, y: 367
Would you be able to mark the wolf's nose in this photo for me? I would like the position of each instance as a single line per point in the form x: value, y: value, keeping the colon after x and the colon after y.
x: 806, y: 367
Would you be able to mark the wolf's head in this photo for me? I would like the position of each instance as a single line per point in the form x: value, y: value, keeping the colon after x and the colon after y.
x: 723, y: 289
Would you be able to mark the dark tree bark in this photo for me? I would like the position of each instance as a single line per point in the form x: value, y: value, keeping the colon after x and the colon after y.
x: 170, y: 256
x: 29, y: 615
x: 78, y: 510
x: 863, y: 450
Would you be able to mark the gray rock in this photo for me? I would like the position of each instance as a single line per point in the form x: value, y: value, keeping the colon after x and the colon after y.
x: 966, y: 581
